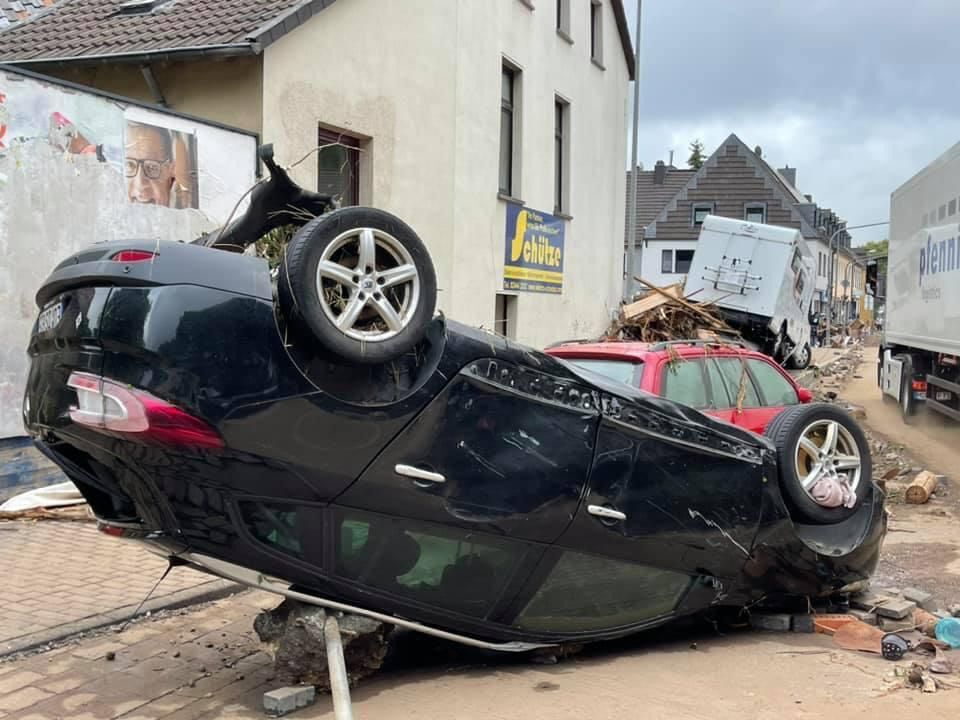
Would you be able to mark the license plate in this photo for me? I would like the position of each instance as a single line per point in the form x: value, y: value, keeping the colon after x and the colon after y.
x: 50, y: 317
x: 943, y: 395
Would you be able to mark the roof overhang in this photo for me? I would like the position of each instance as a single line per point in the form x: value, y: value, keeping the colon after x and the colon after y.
x: 139, y: 58
x: 623, y: 29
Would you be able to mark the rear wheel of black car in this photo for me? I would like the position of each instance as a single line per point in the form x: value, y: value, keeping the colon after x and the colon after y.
x: 824, y: 461
x: 361, y: 281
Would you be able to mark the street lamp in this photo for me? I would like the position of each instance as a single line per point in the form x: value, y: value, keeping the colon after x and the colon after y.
x: 830, y: 278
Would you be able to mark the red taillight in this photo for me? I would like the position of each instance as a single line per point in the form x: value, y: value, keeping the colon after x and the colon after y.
x: 133, y: 256
x: 105, y: 405
x: 112, y: 530
x: 920, y: 385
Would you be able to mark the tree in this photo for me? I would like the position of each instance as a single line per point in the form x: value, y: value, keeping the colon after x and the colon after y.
x: 876, y: 247
x: 697, y: 157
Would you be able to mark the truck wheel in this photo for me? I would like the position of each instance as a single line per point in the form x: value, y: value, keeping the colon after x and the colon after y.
x: 800, y: 360
x: 908, y: 405
x: 361, y: 281
x: 824, y: 461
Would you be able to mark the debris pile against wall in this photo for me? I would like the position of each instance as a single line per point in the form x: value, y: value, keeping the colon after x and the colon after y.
x: 665, y: 314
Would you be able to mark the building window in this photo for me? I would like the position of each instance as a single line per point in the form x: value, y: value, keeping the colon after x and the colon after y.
x: 505, y: 323
x: 699, y: 214
x: 338, y: 167
x: 561, y: 169
x: 508, y: 124
x: 596, y: 32
x: 563, y: 18
x: 755, y: 213
x: 675, y: 261
x: 952, y: 208
x: 943, y: 212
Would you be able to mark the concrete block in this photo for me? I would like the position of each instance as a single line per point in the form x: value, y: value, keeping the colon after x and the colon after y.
x: 897, y: 609
x: 922, y: 598
x: 869, y: 600
x: 802, y: 623
x: 891, y: 625
x: 777, y: 622
x: 864, y: 616
x: 285, y: 700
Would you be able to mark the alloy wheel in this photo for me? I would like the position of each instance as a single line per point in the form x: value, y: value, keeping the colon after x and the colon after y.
x: 826, y: 449
x: 368, y: 284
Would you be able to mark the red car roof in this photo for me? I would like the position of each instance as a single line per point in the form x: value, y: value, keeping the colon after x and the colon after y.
x: 641, y: 351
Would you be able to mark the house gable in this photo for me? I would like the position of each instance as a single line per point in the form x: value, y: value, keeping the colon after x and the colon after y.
x: 730, y: 179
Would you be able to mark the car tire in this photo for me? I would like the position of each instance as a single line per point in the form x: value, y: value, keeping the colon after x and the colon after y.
x: 801, y: 359
x: 908, y: 405
x: 796, y: 463
x: 361, y: 282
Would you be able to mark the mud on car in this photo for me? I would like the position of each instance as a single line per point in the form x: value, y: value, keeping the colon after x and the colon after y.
x: 321, y: 432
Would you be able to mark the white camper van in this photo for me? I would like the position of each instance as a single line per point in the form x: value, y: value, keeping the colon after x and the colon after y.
x: 761, y: 279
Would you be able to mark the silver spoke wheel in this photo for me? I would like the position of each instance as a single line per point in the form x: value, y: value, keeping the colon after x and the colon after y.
x: 826, y: 449
x: 368, y: 284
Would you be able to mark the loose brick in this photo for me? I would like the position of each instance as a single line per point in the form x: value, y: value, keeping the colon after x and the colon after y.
x: 778, y: 622
x: 864, y: 616
x: 285, y: 700
x: 922, y: 598
x: 891, y: 625
x: 897, y: 609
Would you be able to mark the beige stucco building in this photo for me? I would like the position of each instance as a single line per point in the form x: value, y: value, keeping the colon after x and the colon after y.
x: 450, y: 112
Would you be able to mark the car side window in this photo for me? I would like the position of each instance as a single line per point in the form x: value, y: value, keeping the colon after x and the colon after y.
x: 773, y: 386
x: 683, y: 382
x: 736, y: 378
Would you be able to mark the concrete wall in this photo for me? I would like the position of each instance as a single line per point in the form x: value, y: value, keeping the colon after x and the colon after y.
x: 62, y: 188
x: 225, y: 90
x: 419, y: 83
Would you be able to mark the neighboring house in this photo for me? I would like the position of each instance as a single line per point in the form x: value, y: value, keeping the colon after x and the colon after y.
x: 15, y: 11
x: 457, y: 115
x: 734, y: 182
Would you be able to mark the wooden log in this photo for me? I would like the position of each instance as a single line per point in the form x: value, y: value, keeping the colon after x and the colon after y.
x: 923, y: 485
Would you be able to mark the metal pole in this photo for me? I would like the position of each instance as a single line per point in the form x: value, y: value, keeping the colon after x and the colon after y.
x: 632, y: 192
x: 339, y: 683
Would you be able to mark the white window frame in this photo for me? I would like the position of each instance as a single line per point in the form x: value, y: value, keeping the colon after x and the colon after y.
x: 709, y: 207
x: 753, y: 207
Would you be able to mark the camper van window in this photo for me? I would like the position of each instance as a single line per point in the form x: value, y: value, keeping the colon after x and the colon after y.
x: 755, y: 213
x: 684, y: 260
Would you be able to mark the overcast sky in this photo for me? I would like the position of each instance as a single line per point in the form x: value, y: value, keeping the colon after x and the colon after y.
x: 858, y: 95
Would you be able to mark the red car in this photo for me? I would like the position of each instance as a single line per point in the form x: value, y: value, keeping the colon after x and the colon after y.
x: 707, y: 376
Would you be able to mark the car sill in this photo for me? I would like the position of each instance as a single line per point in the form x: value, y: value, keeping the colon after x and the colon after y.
x: 254, y: 579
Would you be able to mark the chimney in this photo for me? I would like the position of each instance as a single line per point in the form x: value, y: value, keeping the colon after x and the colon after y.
x: 671, y: 158
x: 789, y: 174
x: 809, y: 197
x: 659, y: 173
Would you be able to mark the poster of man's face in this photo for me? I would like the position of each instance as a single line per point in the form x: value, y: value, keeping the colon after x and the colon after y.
x: 161, y: 166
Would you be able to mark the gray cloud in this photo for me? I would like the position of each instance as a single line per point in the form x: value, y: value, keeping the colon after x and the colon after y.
x: 856, y: 94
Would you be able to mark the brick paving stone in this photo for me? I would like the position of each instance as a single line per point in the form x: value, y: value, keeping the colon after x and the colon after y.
x: 25, y: 697
x: 59, y: 573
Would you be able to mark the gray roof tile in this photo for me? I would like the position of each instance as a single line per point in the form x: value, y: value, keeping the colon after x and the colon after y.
x: 97, y: 28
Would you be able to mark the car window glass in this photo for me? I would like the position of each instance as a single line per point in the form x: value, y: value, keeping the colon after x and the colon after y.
x: 722, y: 397
x: 444, y: 567
x: 737, y: 378
x: 773, y: 386
x: 683, y: 383
x: 584, y: 592
x: 624, y: 371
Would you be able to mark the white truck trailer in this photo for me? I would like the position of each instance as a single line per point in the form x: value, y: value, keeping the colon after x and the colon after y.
x: 760, y: 277
x: 920, y: 352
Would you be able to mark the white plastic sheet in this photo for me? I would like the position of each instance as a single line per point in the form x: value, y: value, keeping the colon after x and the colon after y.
x: 59, y: 495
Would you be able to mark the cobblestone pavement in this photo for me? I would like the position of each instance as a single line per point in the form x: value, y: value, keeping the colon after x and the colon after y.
x: 63, y: 577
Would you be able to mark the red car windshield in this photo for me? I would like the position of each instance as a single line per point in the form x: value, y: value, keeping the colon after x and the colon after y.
x: 625, y: 371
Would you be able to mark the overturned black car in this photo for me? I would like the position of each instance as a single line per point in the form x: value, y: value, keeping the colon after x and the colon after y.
x: 319, y: 432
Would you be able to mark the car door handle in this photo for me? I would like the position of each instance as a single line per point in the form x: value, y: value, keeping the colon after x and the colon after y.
x: 605, y: 512
x: 416, y: 473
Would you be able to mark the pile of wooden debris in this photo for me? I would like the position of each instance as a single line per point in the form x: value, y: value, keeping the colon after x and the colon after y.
x: 665, y: 314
